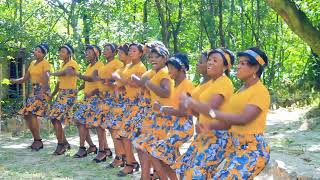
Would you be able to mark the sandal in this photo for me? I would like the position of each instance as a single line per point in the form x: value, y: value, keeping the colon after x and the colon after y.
x: 67, y: 146
x: 109, y: 152
x: 36, y: 148
x: 81, y: 149
x: 120, y: 158
x: 60, y: 149
x: 92, y: 149
x: 135, y: 167
x: 101, y: 160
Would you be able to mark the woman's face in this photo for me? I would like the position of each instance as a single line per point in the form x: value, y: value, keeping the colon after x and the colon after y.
x: 215, y: 66
x: 90, y: 55
x: 157, y: 61
x: 244, y: 70
x: 107, y: 52
x: 134, y: 53
x: 122, y: 56
x: 202, y: 65
x: 173, y: 71
x: 63, y: 54
x: 38, y: 53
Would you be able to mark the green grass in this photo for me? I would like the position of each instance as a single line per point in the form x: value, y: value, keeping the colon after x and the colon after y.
x: 18, y: 162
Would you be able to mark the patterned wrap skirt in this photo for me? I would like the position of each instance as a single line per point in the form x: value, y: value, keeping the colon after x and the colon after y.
x: 105, y: 106
x: 62, y: 108
x: 128, y: 125
x: 117, y: 112
x: 87, y: 111
x: 140, y: 119
x: 37, y: 103
x: 204, y: 154
x: 158, y: 129
x: 248, y: 156
x: 167, y: 150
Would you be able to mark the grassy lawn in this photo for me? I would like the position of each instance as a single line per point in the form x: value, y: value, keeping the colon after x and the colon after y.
x: 18, y: 162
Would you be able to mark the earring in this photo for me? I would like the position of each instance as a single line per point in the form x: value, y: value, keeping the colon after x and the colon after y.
x: 254, y: 76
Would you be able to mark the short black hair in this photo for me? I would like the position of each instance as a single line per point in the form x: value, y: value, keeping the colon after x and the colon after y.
x: 113, y: 47
x: 68, y: 47
x: 44, y: 48
x: 124, y: 48
x: 183, y: 58
x: 139, y: 46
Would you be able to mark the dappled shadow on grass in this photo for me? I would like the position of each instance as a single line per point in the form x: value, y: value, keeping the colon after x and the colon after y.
x: 18, y: 162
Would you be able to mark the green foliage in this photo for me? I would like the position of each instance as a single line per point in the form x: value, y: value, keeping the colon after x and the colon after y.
x: 292, y: 75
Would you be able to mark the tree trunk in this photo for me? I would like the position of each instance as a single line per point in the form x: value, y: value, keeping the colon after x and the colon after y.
x: 145, y: 19
x: 221, y: 33
x: 176, y: 28
x: 241, y: 22
x: 163, y: 22
x: 298, y: 22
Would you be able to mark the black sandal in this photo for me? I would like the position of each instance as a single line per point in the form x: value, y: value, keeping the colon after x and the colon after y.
x: 60, y: 149
x: 37, y: 148
x: 81, y: 148
x: 109, y: 152
x: 121, y: 158
x: 67, y: 146
x: 135, y: 168
x: 95, y: 151
x: 103, y: 159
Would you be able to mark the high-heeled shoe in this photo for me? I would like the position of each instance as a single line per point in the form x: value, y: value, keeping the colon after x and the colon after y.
x: 67, y: 146
x: 121, y: 158
x: 95, y: 150
x: 60, y: 149
x: 103, y: 159
x: 37, y: 148
x: 81, y: 149
x: 108, y: 152
x: 135, y: 167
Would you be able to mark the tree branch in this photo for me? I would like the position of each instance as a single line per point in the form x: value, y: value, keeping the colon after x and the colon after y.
x: 298, y: 22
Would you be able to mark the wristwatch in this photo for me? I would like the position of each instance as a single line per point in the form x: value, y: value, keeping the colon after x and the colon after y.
x: 212, y: 113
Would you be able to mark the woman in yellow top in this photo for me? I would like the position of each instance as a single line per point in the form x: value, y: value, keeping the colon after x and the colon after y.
x: 105, y: 90
x: 246, y: 113
x: 67, y: 88
x: 209, y: 148
x: 37, y: 102
x: 165, y: 151
x: 132, y: 126
x: 117, y: 108
x: 88, y: 108
x: 131, y: 99
x: 160, y: 87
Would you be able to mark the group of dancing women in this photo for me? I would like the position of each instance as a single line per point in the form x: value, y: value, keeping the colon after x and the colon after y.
x: 154, y: 112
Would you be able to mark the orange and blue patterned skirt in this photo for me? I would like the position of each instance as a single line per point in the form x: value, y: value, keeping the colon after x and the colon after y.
x: 104, y: 107
x: 37, y: 103
x: 117, y: 112
x: 204, y: 154
x: 167, y: 150
x: 87, y: 111
x: 62, y: 107
x: 248, y: 157
x: 157, y: 128
x: 128, y: 123
x: 138, y: 120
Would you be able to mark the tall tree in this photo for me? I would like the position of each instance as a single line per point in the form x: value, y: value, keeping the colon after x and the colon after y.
x: 298, y: 22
